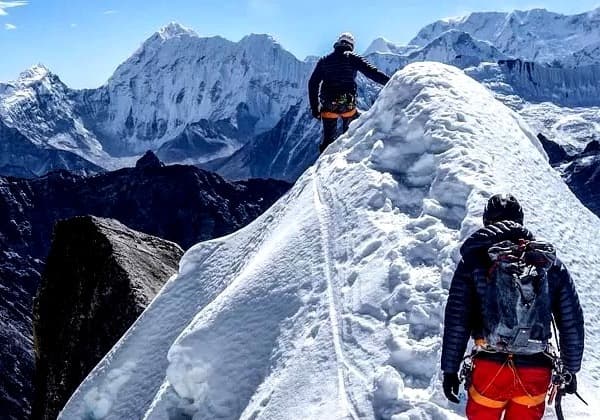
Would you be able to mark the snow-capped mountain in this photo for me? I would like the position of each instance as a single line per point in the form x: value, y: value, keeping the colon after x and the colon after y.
x: 451, y: 47
x: 191, y: 99
x: 457, y: 48
x: 240, y: 108
x: 177, y: 79
x: 339, y: 314
x: 39, y: 98
x: 534, y: 35
x: 38, y: 106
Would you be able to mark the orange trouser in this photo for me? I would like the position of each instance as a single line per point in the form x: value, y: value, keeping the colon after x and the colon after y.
x: 498, y: 388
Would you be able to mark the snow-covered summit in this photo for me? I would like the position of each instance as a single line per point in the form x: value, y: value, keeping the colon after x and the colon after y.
x: 174, y: 29
x: 339, y: 313
x: 171, y: 83
x: 33, y: 74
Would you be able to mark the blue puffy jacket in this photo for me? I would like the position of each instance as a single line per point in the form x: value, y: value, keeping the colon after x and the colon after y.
x: 463, y: 314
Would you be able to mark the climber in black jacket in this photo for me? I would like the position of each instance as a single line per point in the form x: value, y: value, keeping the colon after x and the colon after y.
x: 335, y: 74
x: 501, y: 381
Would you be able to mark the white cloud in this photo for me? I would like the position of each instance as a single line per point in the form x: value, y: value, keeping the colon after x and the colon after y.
x: 9, y: 27
x: 8, y: 4
x: 110, y: 12
x: 73, y: 25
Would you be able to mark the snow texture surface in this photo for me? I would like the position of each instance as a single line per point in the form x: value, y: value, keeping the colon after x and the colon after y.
x: 330, y: 305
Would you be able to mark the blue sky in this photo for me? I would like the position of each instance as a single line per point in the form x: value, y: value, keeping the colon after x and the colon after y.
x: 83, y: 41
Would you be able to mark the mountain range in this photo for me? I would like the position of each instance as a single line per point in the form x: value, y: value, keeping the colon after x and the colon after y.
x: 240, y: 108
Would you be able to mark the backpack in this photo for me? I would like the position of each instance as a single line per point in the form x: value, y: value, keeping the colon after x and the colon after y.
x: 516, y: 309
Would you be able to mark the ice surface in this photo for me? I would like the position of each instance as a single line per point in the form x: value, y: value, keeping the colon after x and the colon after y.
x: 330, y: 305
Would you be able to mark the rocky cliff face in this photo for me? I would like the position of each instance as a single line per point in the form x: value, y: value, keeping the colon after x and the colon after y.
x: 180, y: 203
x: 99, y: 277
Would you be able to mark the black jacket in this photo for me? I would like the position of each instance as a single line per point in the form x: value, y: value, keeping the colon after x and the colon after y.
x: 463, y: 316
x: 337, y: 71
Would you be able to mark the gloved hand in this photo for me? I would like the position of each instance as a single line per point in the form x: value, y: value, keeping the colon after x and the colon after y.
x: 316, y: 114
x: 451, y: 384
x: 571, y: 387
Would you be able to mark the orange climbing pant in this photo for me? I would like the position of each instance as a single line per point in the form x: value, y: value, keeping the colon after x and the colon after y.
x: 518, y: 392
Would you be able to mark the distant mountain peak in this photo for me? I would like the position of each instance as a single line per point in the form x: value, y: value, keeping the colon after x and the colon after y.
x: 34, y: 73
x: 380, y: 45
x: 175, y: 30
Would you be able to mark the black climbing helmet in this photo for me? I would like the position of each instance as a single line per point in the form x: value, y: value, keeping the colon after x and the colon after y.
x: 502, y: 207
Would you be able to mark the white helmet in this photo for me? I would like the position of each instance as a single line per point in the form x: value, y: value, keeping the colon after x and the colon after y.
x: 345, y: 38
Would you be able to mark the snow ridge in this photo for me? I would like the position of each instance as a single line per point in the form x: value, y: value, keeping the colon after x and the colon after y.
x: 338, y: 290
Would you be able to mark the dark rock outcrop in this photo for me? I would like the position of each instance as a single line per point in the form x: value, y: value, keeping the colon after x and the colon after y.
x: 582, y: 175
x: 581, y: 171
x: 149, y: 160
x: 556, y: 154
x: 182, y: 204
x: 99, y: 277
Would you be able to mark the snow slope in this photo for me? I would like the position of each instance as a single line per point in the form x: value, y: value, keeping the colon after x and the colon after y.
x: 330, y: 305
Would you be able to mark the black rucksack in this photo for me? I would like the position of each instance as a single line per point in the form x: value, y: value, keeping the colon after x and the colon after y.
x: 516, y: 310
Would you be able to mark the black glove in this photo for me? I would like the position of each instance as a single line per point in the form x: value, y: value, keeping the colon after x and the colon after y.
x: 316, y: 114
x: 571, y: 387
x: 451, y: 384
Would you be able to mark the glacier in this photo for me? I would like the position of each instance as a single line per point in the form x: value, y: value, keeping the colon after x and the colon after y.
x: 330, y: 305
